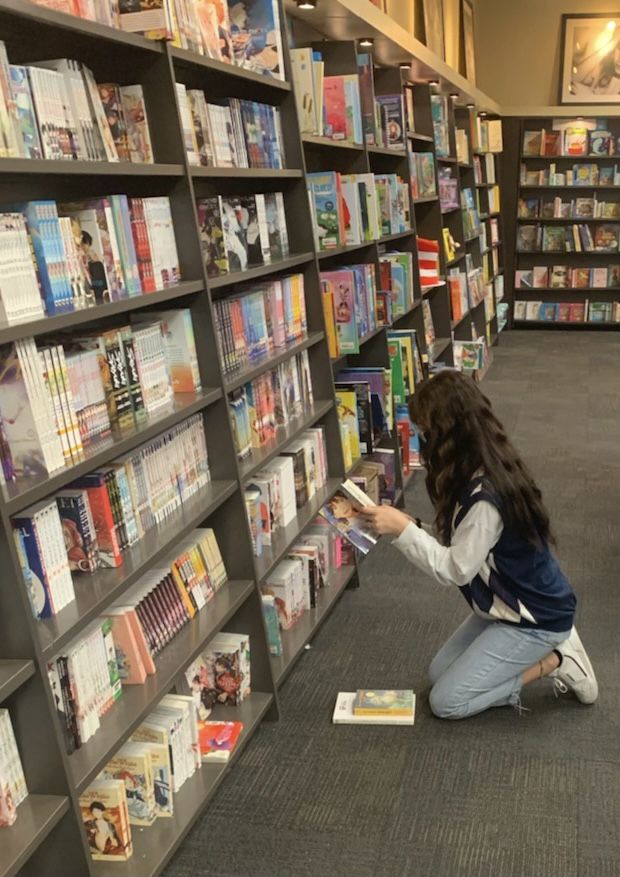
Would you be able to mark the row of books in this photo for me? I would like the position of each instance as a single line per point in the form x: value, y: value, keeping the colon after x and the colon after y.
x: 139, y: 784
x: 56, y: 258
x: 238, y: 232
x: 582, y: 174
x: 574, y: 238
x: 470, y: 212
x: 56, y: 110
x: 57, y: 399
x: 13, y: 788
x: 379, y: 421
x: 246, y: 36
x: 422, y: 174
x: 237, y: 133
x: 484, y: 168
x: 259, y: 320
x: 569, y: 140
x: 576, y: 208
x: 120, y: 647
x: 295, y: 583
x: 568, y: 312
x: 271, y: 400
x: 349, y: 209
x: 568, y: 277
x: 350, y: 306
x: 285, y: 485
x: 92, y: 523
x: 345, y: 107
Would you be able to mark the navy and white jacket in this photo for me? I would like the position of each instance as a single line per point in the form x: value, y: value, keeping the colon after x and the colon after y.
x: 501, y: 575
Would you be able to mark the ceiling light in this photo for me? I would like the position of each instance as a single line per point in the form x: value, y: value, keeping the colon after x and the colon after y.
x: 306, y: 4
x: 405, y: 65
x: 471, y: 106
x: 482, y: 115
x: 434, y: 82
x: 366, y: 43
x: 455, y: 95
x: 611, y: 25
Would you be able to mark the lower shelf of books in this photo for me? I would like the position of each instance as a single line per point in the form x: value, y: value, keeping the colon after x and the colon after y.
x: 13, y: 673
x: 153, y: 847
x: 294, y: 640
x: 138, y: 700
x: 287, y: 535
x: 36, y: 817
x: 564, y: 324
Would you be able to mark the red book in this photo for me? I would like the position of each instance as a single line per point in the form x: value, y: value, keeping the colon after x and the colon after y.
x: 564, y: 312
x: 142, y: 244
x: 218, y: 739
x: 455, y: 298
x: 403, y: 435
x: 103, y: 517
x: 577, y: 312
x: 334, y: 108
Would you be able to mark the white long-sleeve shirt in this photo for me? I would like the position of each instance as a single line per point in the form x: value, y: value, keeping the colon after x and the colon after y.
x: 471, y: 544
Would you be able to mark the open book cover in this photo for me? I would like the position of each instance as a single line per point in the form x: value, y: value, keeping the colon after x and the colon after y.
x: 342, y: 511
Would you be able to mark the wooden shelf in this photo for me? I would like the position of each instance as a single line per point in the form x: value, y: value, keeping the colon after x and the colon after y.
x: 344, y: 251
x: 386, y: 150
x: 232, y: 382
x: 577, y: 253
x: 284, y: 436
x: 138, y: 701
x: 427, y: 200
x: 59, y: 322
x: 256, y: 271
x: 314, y: 141
x: 284, y: 538
x: 423, y: 138
x: 446, y: 159
x: 397, y: 236
x: 185, y: 58
x: 36, y: 817
x: 13, y: 674
x: 446, y: 210
x: 568, y: 220
x: 18, y: 495
x: 295, y: 639
x: 567, y: 188
x: 243, y: 173
x: 561, y: 324
x: 552, y: 158
x: 94, y: 593
x: 88, y: 168
x: 154, y: 846
x: 613, y: 290
x: 439, y: 346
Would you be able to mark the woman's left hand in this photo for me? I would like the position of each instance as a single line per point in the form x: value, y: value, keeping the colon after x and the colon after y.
x: 386, y: 520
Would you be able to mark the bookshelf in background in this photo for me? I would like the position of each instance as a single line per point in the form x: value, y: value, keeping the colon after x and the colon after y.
x: 566, y: 265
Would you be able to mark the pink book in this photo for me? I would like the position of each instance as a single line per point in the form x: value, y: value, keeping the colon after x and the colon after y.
x: 136, y: 627
x: 130, y: 666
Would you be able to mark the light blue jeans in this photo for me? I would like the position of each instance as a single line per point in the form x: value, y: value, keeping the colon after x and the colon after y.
x: 481, y: 666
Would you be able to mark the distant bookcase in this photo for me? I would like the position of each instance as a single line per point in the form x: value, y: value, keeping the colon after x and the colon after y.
x: 565, y: 221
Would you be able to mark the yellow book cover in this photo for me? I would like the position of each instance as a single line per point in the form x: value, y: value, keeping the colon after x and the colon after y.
x: 383, y: 702
x: 330, y: 325
x: 347, y: 414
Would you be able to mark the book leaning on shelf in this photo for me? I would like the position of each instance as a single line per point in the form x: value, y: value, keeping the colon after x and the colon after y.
x: 568, y: 312
x: 103, y: 514
x: 56, y: 110
x: 13, y: 788
x: 57, y: 398
x: 58, y: 258
x: 238, y: 232
x: 276, y: 492
x: 259, y: 320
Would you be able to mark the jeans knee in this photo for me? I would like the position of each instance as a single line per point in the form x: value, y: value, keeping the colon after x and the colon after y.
x: 444, y: 705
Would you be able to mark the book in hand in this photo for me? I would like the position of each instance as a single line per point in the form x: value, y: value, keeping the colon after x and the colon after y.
x: 342, y: 511
x: 374, y: 707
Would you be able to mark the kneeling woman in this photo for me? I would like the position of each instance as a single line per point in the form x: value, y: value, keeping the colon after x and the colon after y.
x: 490, y: 539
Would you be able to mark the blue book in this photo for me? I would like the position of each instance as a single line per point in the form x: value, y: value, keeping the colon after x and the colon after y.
x: 325, y: 194
x: 256, y: 38
x: 33, y: 566
x: 20, y: 89
x: 49, y: 251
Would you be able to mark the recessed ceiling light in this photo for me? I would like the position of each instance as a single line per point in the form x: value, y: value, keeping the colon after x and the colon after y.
x: 454, y: 95
x: 434, y: 82
x: 611, y: 25
x: 471, y: 106
x: 405, y: 65
x: 366, y: 43
x: 306, y: 4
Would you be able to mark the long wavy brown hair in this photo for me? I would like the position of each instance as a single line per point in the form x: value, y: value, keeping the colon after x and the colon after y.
x: 463, y: 436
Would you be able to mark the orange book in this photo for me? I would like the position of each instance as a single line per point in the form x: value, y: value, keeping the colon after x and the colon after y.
x: 330, y: 322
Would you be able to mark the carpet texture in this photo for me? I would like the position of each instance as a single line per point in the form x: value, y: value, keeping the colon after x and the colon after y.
x: 497, y: 795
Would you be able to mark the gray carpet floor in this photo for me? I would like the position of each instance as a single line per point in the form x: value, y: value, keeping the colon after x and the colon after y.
x: 497, y: 795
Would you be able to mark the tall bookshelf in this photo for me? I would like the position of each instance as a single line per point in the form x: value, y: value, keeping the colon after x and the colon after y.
x: 521, y: 162
x: 48, y: 837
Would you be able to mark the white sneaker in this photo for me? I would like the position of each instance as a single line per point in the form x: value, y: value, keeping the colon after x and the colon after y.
x: 575, y: 673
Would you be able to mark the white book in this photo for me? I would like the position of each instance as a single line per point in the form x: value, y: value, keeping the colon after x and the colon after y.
x: 343, y: 713
x: 189, y: 135
x: 350, y: 193
x: 263, y: 227
x: 98, y: 113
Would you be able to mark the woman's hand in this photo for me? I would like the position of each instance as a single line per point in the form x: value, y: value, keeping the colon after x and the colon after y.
x: 386, y: 520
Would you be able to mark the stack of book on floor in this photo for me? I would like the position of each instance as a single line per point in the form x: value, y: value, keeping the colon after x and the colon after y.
x: 374, y: 707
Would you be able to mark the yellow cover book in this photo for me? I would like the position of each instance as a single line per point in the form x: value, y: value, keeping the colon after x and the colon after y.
x: 347, y: 414
x: 330, y: 325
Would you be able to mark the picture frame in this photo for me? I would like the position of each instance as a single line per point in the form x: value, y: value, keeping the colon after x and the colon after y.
x: 590, y: 59
x: 433, y: 27
x: 469, y: 40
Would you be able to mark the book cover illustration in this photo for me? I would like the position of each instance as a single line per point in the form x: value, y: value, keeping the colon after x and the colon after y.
x: 218, y: 739
x: 384, y: 702
x: 344, y: 713
x: 342, y: 512
x: 102, y: 806
x: 255, y: 38
x: 241, y: 232
x: 212, y: 237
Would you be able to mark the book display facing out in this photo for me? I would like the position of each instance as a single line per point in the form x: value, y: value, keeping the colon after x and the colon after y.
x: 567, y: 227
x: 189, y: 367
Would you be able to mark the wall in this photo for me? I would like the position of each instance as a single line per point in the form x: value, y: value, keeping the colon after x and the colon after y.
x: 518, y: 47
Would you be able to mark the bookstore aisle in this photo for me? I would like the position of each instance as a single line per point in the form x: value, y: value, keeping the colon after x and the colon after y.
x: 313, y: 800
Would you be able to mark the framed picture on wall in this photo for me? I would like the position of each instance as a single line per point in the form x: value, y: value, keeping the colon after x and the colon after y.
x: 433, y: 26
x: 590, y: 59
x: 469, y: 45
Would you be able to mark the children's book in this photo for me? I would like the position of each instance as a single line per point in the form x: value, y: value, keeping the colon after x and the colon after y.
x: 345, y: 705
x: 383, y: 702
x: 218, y: 739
